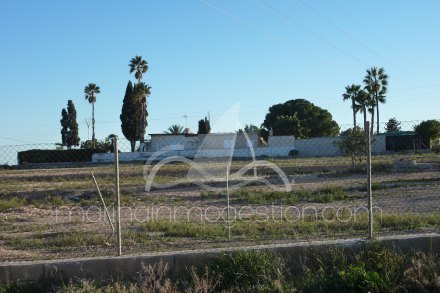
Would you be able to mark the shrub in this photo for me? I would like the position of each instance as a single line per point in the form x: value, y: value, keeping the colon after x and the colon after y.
x: 104, y: 146
x: 428, y: 130
x: 293, y: 153
x: 56, y: 156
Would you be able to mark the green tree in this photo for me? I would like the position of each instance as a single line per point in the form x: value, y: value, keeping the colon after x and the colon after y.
x: 428, y: 131
x: 204, y: 126
x: 288, y: 125
x: 64, y: 126
x: 69, y: 126
x: 392, y: 125
x: 131, y: 115
x: 73, y: 139
x: 376, y: 83
x: 174, y: 129
x: 139, y: 66
x: 363, y: 105
x: 91, y: 90
x: 251, y: 128
x: 140, y: 92
x: 314, y: 121
x: 351, y: 92
x: 353, y: 143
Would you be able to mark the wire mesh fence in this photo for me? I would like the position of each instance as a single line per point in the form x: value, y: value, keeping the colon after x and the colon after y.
x: 200, y: 191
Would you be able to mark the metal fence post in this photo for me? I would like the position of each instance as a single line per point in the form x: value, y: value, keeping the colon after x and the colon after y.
x: 118, y: 196
x: 369, y: 192
x: 227, y: 198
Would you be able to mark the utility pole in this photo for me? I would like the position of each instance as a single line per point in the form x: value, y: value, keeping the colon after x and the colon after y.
x: 118, y: 195
x: 228, y: 206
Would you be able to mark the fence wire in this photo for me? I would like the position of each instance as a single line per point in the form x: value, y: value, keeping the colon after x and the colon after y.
x: 174, y: 192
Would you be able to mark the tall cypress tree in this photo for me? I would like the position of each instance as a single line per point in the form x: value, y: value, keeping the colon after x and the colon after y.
x: 69, y: 126
x: 207, y: 126
x: 201, y: 129
x: 204, y: 126
x: 73, y: 139
x: 130, y: 116
x: 64, y: 126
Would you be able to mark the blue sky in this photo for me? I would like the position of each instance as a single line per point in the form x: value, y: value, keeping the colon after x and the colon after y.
x: 208, y: 55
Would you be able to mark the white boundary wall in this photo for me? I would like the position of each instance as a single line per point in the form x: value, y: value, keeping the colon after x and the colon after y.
x: 279, y: 146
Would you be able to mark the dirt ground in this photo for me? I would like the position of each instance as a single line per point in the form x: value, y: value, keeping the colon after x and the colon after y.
x: 57, y: 213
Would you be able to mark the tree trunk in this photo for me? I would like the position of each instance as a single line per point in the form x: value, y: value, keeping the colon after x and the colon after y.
x: 377, y: 113
x: 142, y: 140
x: 133, y: 145
x: 372, y: 123
x: 93, y: 125
x: 365, y: 120
x: 354, y: 114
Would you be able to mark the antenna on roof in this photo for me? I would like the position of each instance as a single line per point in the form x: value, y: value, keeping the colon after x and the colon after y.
x: 186, y: 120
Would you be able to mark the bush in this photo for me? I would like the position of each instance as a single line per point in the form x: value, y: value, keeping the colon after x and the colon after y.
x: 56, y: 156
x: 293, y: 153
x: 428, y: 130
x: 103, y: 146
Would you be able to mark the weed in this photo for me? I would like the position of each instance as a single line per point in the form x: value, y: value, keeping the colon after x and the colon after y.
x: 423, y: 275
x: 14, y: 202
x: 253, y: 270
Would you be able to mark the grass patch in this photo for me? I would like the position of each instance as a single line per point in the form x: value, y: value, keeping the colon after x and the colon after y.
x: 56, y: 241
x: 17, y: 202
x: 308, y: 226
x: 12, y: 203
x: 323, y: 195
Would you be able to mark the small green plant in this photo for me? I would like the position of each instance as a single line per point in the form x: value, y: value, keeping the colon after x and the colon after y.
x: 353, y: 144
x: 357, y: 279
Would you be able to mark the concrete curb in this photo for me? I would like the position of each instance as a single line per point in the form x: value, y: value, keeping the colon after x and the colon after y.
x: 126, y: 267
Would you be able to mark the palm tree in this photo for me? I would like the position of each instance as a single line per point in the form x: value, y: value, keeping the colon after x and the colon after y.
x: 363, y: 104
x: 174, y: 129
x: 351, y: 93
x: 139, y: 66
x: 91, y: 90
x: 376, y: 82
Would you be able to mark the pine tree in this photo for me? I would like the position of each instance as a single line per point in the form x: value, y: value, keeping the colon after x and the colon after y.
x: 131, y: 116
x: 392, y: 125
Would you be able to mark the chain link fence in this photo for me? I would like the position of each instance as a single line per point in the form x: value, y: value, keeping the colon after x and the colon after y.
x: 216, y: 190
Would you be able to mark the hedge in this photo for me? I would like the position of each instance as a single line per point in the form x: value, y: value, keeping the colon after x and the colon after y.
x: 56, y: 156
